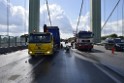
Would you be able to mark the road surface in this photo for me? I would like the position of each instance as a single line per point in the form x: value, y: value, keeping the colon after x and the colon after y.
x: 19, y: 67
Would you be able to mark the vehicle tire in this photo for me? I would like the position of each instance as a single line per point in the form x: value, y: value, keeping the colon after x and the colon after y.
x: 32, y: 56
x: 90, y: 50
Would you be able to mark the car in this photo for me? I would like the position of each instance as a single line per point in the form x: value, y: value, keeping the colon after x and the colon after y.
x: 117, y: 43
x: 109, y: 43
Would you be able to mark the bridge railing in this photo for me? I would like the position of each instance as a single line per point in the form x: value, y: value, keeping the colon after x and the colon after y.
x: 11, y: 41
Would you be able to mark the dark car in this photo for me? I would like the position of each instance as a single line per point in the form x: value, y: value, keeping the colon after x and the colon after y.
x: 117, y: 43
x: 109, y: 44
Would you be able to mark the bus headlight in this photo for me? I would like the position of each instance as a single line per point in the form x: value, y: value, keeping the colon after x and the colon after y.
x: 48, y: 52
x: 30, y: 52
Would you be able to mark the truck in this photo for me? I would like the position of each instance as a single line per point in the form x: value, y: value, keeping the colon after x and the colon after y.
x: 40, y: 43
x: 44, y: 43
x: 84, y: 40
x: 56, y: 35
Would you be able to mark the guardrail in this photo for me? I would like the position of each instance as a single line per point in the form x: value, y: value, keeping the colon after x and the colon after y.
x: 11, y: 43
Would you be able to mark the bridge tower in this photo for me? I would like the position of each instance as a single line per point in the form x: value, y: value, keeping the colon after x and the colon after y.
x: 95, y: 11
x: 34, y: 12
x: 34, y: 15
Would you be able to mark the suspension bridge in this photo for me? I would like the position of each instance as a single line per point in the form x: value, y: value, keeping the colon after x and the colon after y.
x: 77, y: 66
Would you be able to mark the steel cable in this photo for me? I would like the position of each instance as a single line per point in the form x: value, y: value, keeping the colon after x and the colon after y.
x: 110, y: 15
x: 78, y: 22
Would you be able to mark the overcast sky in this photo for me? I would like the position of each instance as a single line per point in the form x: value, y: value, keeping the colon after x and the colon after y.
x: 64, y: 13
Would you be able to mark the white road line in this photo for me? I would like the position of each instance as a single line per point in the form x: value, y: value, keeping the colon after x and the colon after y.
x: 108, y: 74
x: 35, y: 66
x: 30, y: 72
x: 95, y: 64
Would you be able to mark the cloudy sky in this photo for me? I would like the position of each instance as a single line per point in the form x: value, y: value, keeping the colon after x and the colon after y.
x: 64, y: 13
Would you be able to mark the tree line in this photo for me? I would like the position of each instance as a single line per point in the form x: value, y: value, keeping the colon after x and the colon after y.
x: 112, y: 36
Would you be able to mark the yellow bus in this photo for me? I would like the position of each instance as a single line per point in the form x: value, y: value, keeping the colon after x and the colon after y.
x: 40, y: 44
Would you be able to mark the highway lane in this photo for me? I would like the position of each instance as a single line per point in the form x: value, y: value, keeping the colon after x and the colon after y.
x: 114, y: 61
x: 15, y: 66
x: 67, y: 68
x: 8, y: 58
x: 19, y: 67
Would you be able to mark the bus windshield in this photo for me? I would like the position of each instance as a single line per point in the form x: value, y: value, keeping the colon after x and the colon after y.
x: 85, y: 35
x: 39, y: 38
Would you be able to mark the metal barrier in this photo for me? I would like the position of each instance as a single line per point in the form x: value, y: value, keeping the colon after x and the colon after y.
x: 10, y: 44
x: 11, y: 41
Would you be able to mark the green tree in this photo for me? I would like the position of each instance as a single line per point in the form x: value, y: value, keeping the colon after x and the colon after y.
x: 113, y: 35
x: 109, y: 36
x: 122, y: 37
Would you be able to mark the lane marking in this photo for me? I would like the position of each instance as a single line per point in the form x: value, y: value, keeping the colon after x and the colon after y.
x: 35, y: 66
x: 28, y: 74
x: 94, y: 58
x: 108, y: 74
x: 95, y: 64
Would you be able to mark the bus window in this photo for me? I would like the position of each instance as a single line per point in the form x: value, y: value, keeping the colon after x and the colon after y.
x: 42, y: 38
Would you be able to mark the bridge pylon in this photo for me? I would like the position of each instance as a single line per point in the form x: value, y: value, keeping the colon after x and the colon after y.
x: 34, y: 16
x: 95, y: 21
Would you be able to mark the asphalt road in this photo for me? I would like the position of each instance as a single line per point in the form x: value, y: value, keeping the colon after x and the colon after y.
x: 19, y: 67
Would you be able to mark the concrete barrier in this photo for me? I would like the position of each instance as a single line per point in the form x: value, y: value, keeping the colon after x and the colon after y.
x: 11, y: 49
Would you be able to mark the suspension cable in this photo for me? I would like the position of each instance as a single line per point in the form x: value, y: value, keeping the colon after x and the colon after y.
x: 78, y: 22
x: 25, y: 4
x: 122, y: 17
x: 117, y: 20
x: 104, y: 9
x: 104, y: 12
x: 110, y: 15
x: 48, y: 12
x: 8, y: 2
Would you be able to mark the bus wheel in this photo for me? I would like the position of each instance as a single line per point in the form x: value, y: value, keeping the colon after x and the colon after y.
x: 90, y: 50
x: 32, y: 56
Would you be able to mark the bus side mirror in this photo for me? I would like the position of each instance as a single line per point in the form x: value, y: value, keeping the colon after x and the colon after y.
x: 45, y: 28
